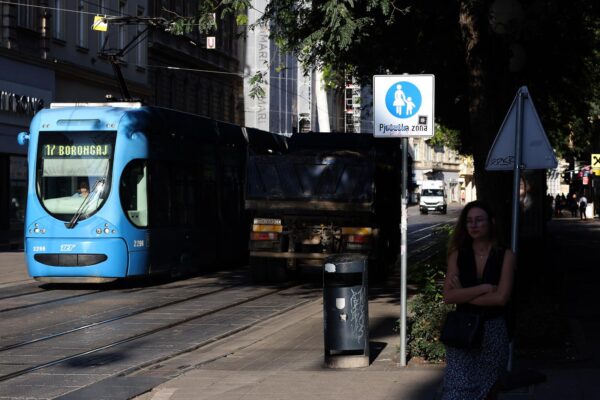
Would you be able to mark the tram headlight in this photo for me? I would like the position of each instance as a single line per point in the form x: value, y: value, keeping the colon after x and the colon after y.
x: 98, y: 231
x: 106, y: 230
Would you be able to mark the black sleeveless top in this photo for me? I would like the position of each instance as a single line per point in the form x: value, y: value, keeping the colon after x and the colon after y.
x: 491, y: 274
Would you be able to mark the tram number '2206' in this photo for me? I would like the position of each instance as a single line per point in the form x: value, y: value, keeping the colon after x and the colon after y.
x: 138, y: 243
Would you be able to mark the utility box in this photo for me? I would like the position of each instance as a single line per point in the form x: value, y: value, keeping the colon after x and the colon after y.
x: 346, y: 311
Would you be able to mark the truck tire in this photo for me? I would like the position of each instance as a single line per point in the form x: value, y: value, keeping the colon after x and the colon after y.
x: 258, y: 270
x: 265, y: 270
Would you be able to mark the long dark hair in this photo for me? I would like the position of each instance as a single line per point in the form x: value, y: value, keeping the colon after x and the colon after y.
x: 461, y: 237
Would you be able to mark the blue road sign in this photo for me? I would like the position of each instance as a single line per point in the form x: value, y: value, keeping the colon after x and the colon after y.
x: 403, y: 99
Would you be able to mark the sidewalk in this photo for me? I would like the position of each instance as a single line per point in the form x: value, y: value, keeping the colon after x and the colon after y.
x: 572, y: 367
x: 282, y: 358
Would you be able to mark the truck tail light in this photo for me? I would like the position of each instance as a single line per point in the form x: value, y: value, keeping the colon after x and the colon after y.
x: 362, y: 239
x: 266, y: 229
x: 357, y: 236
x: 264, y: 236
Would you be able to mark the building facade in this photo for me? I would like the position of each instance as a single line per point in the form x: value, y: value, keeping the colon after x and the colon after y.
x: 184, y: 73
x: 438, y: 163
x: 48, y: 53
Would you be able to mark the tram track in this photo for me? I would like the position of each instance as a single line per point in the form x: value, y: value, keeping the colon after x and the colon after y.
x: 20, y: 294
x: 106, y: 321
x: 137, y: 336
x: 45, y: 302
x: 428, y: 243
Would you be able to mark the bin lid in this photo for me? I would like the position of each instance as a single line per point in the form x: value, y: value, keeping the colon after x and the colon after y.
x: 345, y: 263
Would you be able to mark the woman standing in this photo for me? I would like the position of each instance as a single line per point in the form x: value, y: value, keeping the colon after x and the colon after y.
x: 479, y: 279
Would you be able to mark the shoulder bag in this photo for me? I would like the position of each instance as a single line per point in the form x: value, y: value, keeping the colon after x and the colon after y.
x: 462, y: 330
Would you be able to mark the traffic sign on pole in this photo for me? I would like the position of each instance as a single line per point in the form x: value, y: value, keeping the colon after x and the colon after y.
x: 536, y: 151
x: 595, y: 164
x: 403, y: 105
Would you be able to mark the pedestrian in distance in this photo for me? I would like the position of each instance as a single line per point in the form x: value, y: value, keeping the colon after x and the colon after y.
x: 479, y: 279
x: 557, y: 205
x: 583, y: 207
x: 572, y: 204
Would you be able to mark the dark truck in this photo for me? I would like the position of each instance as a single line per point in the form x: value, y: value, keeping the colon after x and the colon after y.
x: 327, y: 193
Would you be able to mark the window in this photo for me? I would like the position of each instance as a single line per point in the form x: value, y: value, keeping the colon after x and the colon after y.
x: 161, y: 191
x: 101, y: 35
x: 232, y: 108
x: 198, y: 95
x: 432, y: 192
x: 134, y: 193
x: 17, y: 190
x: 73, y: 172
x: 122, y: 28
x: 27, y: 14
x: 210, y: 102
x: 140, y: 50
x: 59, y: 20
x: 83, y: 24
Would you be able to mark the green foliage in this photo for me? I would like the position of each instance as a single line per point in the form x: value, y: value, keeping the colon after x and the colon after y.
x: 426, y: 310
x: 444, y: 136
x: 479, y: 57
x: 204, y: 18
x: 426, y: 313
x: 322, y: 31
x: 257, y: 81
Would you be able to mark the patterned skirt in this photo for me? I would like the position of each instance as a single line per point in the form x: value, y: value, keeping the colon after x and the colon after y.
x: 471, y: 374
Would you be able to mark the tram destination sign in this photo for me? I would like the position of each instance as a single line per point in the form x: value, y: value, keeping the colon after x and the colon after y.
x: 403, y: 105
x: 76, y: 150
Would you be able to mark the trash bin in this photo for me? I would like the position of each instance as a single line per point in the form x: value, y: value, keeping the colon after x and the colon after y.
x: 346, y: 311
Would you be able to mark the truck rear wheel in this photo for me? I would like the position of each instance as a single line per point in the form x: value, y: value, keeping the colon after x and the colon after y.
x: 265, y: 270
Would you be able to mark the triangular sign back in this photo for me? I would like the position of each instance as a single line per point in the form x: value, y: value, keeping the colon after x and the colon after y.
x: 536, y: 152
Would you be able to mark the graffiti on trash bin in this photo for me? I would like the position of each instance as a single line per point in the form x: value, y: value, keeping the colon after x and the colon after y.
x: 357, y: 317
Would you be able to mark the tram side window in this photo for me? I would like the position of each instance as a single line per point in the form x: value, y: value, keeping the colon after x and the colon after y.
x: 161, y: 192
x: 134, y: 194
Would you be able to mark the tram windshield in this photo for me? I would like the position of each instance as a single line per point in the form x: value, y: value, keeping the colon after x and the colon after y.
x: 73, y: 172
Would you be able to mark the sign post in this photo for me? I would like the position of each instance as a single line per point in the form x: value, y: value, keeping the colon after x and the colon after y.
x: 403, y: 107
x: 521, y: 144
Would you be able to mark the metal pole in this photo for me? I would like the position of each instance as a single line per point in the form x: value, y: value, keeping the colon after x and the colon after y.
x: 514, y: 237
x: 517, y: 174
x: 403, y: 230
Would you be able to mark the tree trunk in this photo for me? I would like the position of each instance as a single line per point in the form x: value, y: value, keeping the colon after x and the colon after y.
x: 486, y: 94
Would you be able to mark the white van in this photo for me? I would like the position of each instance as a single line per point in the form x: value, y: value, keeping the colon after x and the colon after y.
x: 433, y: 197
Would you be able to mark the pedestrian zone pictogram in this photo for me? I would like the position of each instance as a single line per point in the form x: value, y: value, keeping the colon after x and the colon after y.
x: 403, y: 99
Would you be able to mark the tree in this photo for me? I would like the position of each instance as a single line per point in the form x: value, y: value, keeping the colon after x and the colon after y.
x: 481, y: 52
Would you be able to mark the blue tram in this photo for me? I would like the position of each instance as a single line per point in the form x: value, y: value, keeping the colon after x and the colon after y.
x: 121, y: 190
